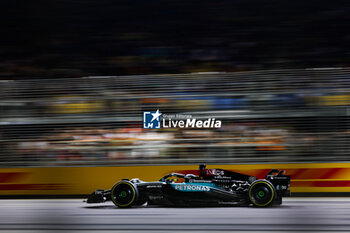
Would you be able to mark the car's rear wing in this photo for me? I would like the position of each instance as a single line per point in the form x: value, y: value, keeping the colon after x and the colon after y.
x: 275, y: 172
x: 280, y: 181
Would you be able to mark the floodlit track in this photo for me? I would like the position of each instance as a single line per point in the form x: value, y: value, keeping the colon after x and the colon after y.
x: 296, y: 214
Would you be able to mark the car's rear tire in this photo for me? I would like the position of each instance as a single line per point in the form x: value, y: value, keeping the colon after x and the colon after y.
x: 261, y: 193
x: 124, y: 194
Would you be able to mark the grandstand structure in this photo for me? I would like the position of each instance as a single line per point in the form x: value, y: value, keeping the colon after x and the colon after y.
x: 288, y: 115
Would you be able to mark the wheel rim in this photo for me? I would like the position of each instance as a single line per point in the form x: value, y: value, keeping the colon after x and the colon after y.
x: 123, y: 194
x: 261, y: 194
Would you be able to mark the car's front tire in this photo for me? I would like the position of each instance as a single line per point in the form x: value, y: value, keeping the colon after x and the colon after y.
x: 124, y: 194
x: 261, y: 193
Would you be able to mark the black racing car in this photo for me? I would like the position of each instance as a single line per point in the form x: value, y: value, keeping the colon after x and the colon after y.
x: 209, y: 187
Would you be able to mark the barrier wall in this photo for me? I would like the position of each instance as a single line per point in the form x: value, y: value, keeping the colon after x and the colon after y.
x: 306, y: 177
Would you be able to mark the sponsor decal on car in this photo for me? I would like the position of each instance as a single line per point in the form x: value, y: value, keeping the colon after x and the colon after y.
x: 153, y: 186
x: 191, y: 187
x: 156, y: 197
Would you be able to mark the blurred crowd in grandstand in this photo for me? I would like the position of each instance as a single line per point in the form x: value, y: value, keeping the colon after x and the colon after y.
x: 286, y: 115
x: 91, y: 37
x: 95, y: 144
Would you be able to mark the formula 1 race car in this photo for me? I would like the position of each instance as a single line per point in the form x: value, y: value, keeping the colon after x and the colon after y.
x: 209, y: 187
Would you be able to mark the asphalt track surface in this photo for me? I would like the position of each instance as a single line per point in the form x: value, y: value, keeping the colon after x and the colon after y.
x: 73, y: 215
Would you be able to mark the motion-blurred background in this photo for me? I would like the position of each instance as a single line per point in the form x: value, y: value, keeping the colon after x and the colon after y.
x: 268, y: 116
x: 75, y: 77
